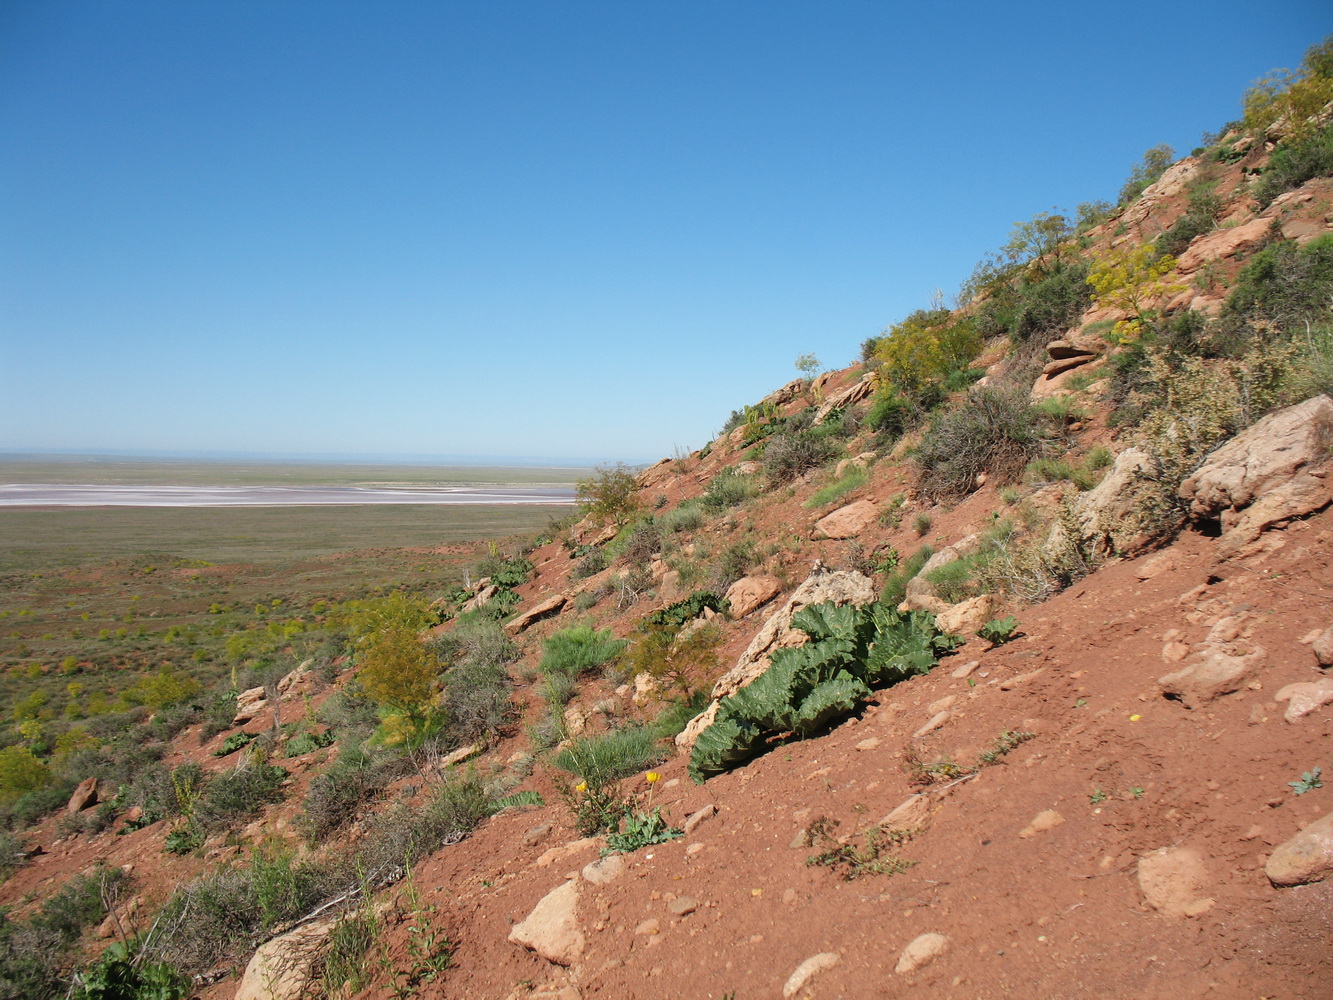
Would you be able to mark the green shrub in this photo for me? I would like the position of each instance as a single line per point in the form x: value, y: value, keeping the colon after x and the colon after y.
x: 592, y: 563
x: 787, y: 456
x: 993, y: 431
x: 853, y: 479
x: 120, y: 973
x: 688, y: 609
x: 21, y: 772
x: 610, y: 495
x: 579, y: 649
x: 1294, y: 162
x: 1046, y: 308
x: 234, y: 742
x: 478, y: 641
x: 807, y: 687
x: 308, y: 742
x: 476, y: 698
x: 686, y: 517
x: 80, y: 902
x: 1285, y: 284
x: 727, y: 489
x: 895, y: 586
x: 239, y: 793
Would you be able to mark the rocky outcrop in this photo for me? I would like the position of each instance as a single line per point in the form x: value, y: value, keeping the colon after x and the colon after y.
x: 249, y: 704
x: 84, y: 796
x: 552, y: 928
x: 920, y: 593
x: 298, y: 683
x: 1112, y: 518
x: 1274, y: 471
x: 1222, y: 664
x: 823, y: 585
x: 854, y: 393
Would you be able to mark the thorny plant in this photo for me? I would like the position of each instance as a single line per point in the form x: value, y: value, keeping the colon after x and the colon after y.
x: 851, y: 860
x: 922, y: 772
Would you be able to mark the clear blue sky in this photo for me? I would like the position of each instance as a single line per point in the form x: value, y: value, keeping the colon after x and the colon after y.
x: 519, y: 228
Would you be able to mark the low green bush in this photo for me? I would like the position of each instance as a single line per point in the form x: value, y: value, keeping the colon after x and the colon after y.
x: 853, y: 479
x: 239, y: 793
x: 993, y: 431
x: 686, y: 517
x: 807, y: 687
x: 789, y: 455
x: 727, y: 489
x: 1293, y: 163
x: 579, y: 649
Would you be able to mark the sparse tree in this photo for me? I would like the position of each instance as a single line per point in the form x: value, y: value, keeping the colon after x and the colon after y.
x: 611, y: 495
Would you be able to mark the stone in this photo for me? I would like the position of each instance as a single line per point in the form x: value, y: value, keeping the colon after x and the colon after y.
x: 648, y: 928
x: 249, y: 703
x: 751, y: 592
x: 807, y: 970
x: 298, y: 683
x: 822, y: 585
x: 868, y: 744
x: 670, y: 589
x: 1307, y: 857
x: 967, y: 617
x: 911, y: 814
x: 535, y: 835
x: 1154, y: 566
x: 1047, y: 819
x: 460, y: 755
x: 282, y: 969
x: 1210, y: 674
x: 1271, y: 453
x: 646, y: 688
x: 1305, y: 494
x: 85, y: 795
x: 1174, y: 652
x: 1223, y: 243
x: 847, y: 522
x: 682, y: 905
x: 552, y: 928
x: 854, y: 393
x: 576, y: 720
x: 484, y: 593
x: 936, y: 720
x: 1323, y: 648
x: 1305, y: 697
x: 536, y: 613
x: 1172, y: 881
x: 699, y: 816
x: 964, y: 669
x: 1107, y: 517
x: 923, y: 950
x: 604, y: 870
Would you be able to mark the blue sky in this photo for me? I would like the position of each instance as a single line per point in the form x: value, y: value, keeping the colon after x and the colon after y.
x: 539, y: 229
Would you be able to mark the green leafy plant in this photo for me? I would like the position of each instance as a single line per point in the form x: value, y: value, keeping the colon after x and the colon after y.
x: 998, y: 631
x: 122, y: 973
x: 641, y: 829
x: 1307, y: 782
x: 609, y: 496
x: 233, y: 743
x: 807, y: 687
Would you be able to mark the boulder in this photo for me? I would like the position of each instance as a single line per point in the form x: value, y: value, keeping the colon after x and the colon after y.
x: 1109, y: 517
x: 536, y: 613
x: 751, y: 592
x: 670, y: 589
x: 1223, y: 243
x: 552, y: 928
x: 967, y: 617
x: 298, y: 683
x: 1323, y: 648
x: 847, y: 522
x: 1306, y: 857
x: 283, y: 969
x: 1279, y: 448
x: 604, y: 870
x: 823, y: 585
x: 854, y: 393
x: 484, y: 593
x: 249, y: 703
x: 84, y: 796
x: 1306, y: 493
x: 1212, y: 672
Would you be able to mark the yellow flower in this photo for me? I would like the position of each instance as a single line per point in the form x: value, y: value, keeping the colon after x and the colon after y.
x: 582, y: 786
x: 653, y: 776
x: 1135, y: 718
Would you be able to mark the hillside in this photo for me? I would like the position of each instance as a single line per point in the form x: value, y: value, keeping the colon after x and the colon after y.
x: 994, y: 665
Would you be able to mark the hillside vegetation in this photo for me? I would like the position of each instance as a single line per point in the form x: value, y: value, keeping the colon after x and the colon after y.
x: 992, y: 665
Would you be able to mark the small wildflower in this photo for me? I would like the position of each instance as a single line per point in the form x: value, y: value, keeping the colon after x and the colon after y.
x: 1135, y: 718
x: 582, y: 786
x: 653, y: 776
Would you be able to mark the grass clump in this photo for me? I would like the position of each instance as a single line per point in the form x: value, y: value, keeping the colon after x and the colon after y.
x: 728, y: 489
x: 874, y: 855
x: 600, y: 763
x: 853, y: 479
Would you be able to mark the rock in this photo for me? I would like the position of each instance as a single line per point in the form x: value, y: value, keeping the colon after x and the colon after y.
x: 921, y: 952
x: 807, y: 970
x: 1323, y: 648
x: 750, y: 592
x: 1154, y: 566
x: 823, y: 584
x: 1172, y: 880
x: 1277, y: 450
x: 1174, y: 652
x: 535, y: 614
x: 1210, y: 674
x: 911, y: 814
x: 552, y: 928
x: 847, y: 522
x: 967, y: 617
x: 699, y: 816
x: 789, y: 392
x: 604, y: 870
x: 964, y: 669
x: 936, y: 720
x: 282, y: 969
x: 854, y: 393
x: 646, y: 688
x: 868, y: 744
x: 576, y: 720
x: 1305, y: 494
x: 1306, y: 857
x: 298, y: 683
x: 1223, y: 243
x: 1047, y: 819
x: 682, y: 905
x: 1108, y: 517
x: 648, y: 928
x: 85, y: 795
x: 1305, y: 697
x: 535, y: 835
x: 460, y: 755
x: 670, y: 589
x: 484, y: 593
x: 249, y: 703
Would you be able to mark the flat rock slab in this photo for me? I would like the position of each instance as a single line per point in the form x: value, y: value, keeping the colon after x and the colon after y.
x: 1213, y: 674
x: 552, y: 928
x: 847, y: 522
x: 1305, y: 697
x: 1172, y: 881
x: 807, y: 970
